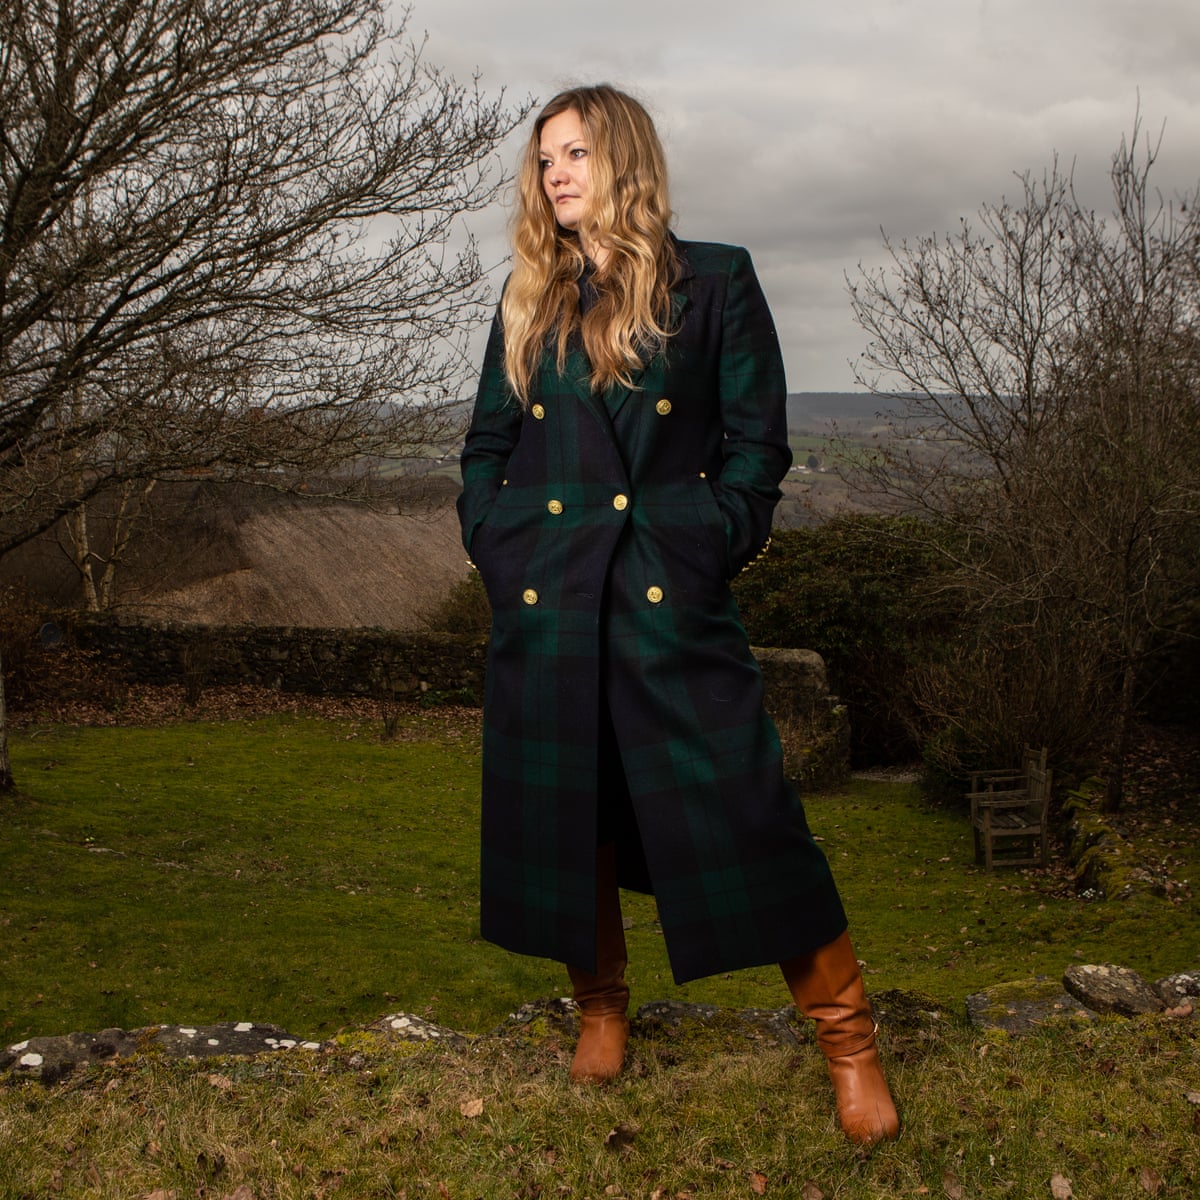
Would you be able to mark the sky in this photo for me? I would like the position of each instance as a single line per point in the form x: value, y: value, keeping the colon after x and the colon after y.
x: 801, y: 129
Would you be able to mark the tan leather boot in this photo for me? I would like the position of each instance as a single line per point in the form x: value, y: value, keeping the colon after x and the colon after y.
x: 603, y: 997
x: 827, y: 986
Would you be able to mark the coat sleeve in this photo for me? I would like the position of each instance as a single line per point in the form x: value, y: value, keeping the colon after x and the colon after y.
x: 753, y: 399
x: 491, y: 438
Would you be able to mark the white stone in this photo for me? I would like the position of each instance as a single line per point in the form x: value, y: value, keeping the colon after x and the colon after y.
x: 288, y: 1043
x: 214, y: 1041
x: 187, y: 1032
x: 31, y: 1060
x: 18, y: 1047
x: 244, y: 1026
x: 310, y: 1045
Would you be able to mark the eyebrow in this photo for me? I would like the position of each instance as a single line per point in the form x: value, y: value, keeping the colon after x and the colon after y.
x: 565, y: 145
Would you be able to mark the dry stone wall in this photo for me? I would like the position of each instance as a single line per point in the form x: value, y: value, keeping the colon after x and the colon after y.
x: 322, y: 662
x: 393, y: 665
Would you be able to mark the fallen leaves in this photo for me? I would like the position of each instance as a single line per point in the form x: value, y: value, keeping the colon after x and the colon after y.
x: 471, y: 1108
x: 1150, y: 1180
x: 621, y: 1137
x: 1060, y: 1187
x: 758, y: 1183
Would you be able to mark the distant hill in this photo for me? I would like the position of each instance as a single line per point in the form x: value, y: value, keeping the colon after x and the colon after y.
x: 224, y: 554
x: 849, y: 411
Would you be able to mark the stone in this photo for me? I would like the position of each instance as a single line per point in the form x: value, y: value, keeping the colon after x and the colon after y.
x: 404, y: 1027
x: 672, y: 1019
x: 1023, y: 1006
x: 1107, y: 988
x: 906, y: 1011
x: 547, y: 1017
x: 52, y: 1058
x: 1179, y: 991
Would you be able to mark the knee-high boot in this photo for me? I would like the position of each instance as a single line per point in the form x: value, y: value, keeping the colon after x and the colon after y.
x: 827, y: 986
x: 603, y: 997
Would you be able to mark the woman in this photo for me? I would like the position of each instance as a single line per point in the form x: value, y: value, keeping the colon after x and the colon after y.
x: 623, y: 463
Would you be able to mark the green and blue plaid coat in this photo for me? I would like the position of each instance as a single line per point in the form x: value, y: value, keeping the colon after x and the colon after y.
x: 606, y: 528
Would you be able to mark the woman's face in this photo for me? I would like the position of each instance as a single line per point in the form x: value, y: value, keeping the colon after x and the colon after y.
x: 563, y: 151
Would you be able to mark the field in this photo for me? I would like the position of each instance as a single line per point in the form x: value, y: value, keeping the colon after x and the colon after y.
x: 307, y: 872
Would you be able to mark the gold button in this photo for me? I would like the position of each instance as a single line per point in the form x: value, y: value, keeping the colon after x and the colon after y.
x: 663, y: 407
x: 529, y: 596
x: 654, y: 595
x: 620, y: 502
x: 555, y: 506
x: 538, y: 411
x: 703, y: 474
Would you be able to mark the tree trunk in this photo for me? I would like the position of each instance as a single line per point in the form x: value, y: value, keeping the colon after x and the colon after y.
x: 1114, y: 791
x: 81, y: 555
x: 7, y: 783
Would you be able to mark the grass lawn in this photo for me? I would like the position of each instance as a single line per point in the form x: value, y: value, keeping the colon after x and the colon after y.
x: 304, y: 872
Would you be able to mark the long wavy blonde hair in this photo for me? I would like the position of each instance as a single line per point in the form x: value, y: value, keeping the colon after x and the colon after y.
x: 629, y: 214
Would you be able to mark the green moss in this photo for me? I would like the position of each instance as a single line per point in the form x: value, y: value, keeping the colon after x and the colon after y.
x: 1102, y: 859
x: 1004, y: 996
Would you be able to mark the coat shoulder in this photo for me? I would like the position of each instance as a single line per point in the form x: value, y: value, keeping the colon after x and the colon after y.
x: 712, y: 258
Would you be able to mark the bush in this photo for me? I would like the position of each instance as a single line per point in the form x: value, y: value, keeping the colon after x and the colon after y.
x: 43, y: 669
x: 464, y: 609
x: 859, y: 590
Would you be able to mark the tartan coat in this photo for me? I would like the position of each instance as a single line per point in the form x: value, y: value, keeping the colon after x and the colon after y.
x: 606, y: 528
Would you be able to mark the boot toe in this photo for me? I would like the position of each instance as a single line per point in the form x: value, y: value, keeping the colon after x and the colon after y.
x: 865, y: 1108
x: 600, y: 1053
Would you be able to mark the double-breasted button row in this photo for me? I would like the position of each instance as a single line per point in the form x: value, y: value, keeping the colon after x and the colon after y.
x: 653, y: 594
x: 620, y: 503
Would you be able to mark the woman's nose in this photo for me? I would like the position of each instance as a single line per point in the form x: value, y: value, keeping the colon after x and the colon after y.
x: 556, y: 174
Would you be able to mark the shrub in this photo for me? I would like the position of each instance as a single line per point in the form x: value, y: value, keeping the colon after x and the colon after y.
x: 861, y: 591
x: 464, y: 609
x: 43, y: 669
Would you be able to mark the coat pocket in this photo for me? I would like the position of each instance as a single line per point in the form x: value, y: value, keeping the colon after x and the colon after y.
x: 712, y: 519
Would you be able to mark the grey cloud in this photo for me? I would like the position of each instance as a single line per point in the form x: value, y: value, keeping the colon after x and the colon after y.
x: 800, y: 128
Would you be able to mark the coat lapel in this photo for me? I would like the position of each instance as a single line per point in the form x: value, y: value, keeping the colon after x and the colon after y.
x: 605, y: 407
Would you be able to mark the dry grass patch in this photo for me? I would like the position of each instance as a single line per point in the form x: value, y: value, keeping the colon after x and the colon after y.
x: 1106, y: 1108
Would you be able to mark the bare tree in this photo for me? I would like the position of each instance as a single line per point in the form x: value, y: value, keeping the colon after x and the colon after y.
x: 7, y: 783
x: 1047, y: 364
x: 226, y: 246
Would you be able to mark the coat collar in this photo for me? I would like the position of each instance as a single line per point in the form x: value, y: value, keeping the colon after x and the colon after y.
x: 578, y: 371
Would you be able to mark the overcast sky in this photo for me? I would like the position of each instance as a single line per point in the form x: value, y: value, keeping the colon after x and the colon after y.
x: 800, y: 129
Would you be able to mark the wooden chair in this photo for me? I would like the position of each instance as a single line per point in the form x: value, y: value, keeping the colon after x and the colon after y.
x: 1010, y: 813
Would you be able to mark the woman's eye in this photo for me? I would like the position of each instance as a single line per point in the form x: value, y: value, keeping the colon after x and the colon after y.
x: 544, y: 164
x: 578, y: 152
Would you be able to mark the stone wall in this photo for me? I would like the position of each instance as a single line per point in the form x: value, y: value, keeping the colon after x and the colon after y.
x: 324, y: 662
x: 388, y: 664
